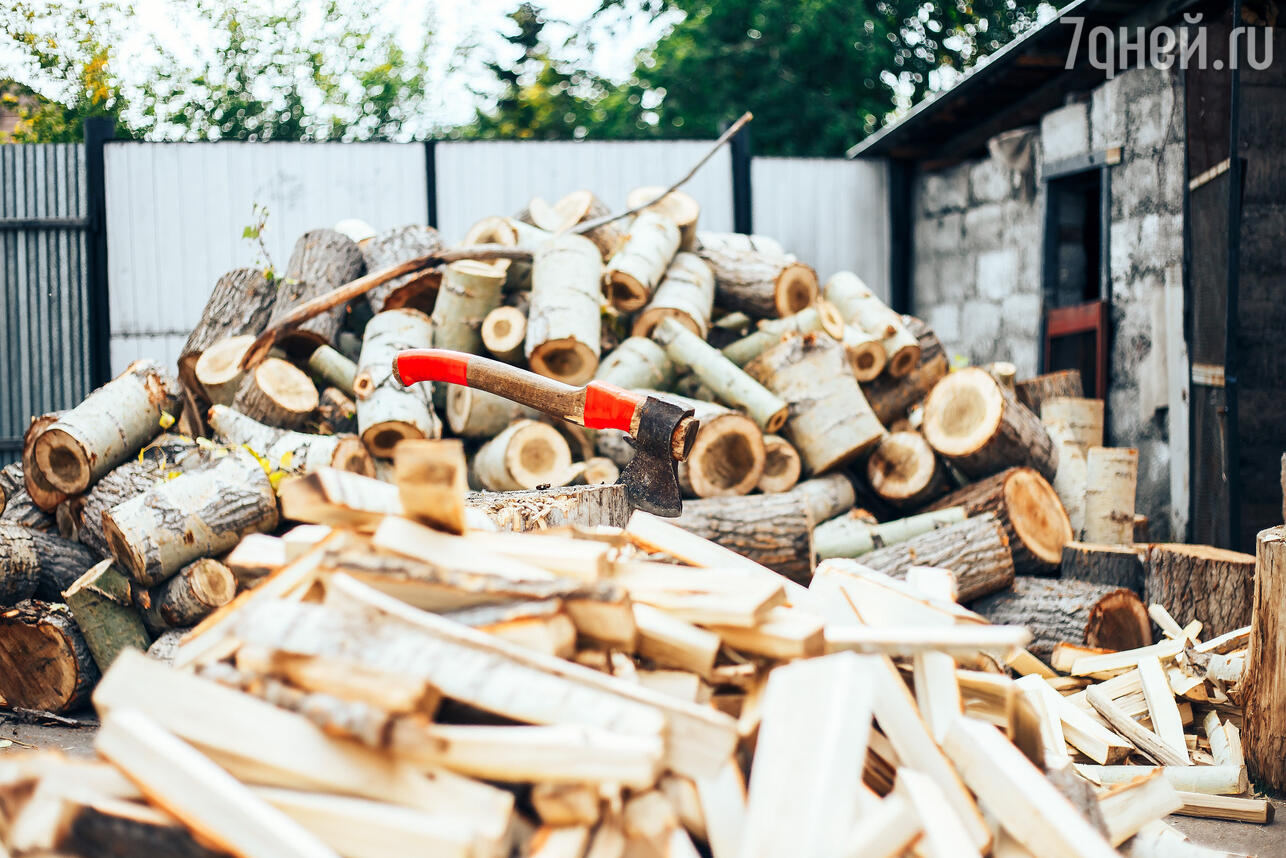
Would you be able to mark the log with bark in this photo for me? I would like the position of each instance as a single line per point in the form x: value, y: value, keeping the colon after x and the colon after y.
x: 503, y: 232
x: 1074, y: 419
x: 678, y: 206
x: 774, y: 530
x: 332, y: 369
x: 1200, y: 582
x: 891, y: 398
x: 1117, y: 565
x: 110, y: 425
x: 580, y: 207
x: 1078, y: 612
x: 218, y: 371
x: 386, y: 249
x: 759, y: 284
x: 241, y: 303
x: 1111, y: 476
x: 1069, y: 482
x: 686, y: 293
x: 190, y: 596
x: 278, y: 393
x: 1264, y: 687
x: 36, y: 563
x: 866, y: 354
x: 101, y: 601
x: 830, y: 421
x: 45, y: 663
x: 782, y: 465
x: 475, y: 413
x: 634, y: 272
x: 1032, y: 392
x: 42, y: 492
x: 563, y: 324
x: 818, y: 316
x: 525, y: 455
x: 975, y: 550
x: 388, y: 411
x: 826, y: 496
x: 637, y: 362
x: 321, y: 261
x: 196, y: 514
x: 290, y: 451
x: 123, y: 483
x: 470, y: 290
x: 504, y: 330
x: 905, y: 472
x: 18, y: 506
x: 336, y: 412
x: 856, y: 533
x: 727, y: 457
x: 979, y: 428
x: 859, y: 306
x: 1026, y: 505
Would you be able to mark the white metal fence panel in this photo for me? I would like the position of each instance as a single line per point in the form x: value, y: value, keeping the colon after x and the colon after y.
x: 176, y: 213
x: 833, y: 214
x: 480, y: 178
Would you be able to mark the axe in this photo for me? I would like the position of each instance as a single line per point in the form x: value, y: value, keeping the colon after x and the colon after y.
x: 660, y: 432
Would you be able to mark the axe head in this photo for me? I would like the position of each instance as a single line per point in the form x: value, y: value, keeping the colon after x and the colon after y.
x: 664, y: 438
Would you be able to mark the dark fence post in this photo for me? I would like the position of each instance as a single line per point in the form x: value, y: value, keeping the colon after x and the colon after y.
x: 431, y: 180
x: 900, y: 220
x: 98, y: 131
x: 743, y: 218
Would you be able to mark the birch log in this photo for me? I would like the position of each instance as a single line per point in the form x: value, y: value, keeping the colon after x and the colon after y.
x: 580, y: 206
x: 470, y: 290
x: 278, y: 393
x: 1201, y: 582
x: 322, y: 261
x: 191, y: 595
x: 525, y: 455
x: 852, y: 535
x: 1078, y: 420
x: 563, y: 324
x: 44, y: 661
x: 19, y: 508
x: 502, y: 231
x: 289, y: 451
x: 635, y: 271
x: 904, y: 471
x: 830, y: 422
x: 332, y: 368
x: 686, y: 293
x: 102, y: 605
x: 1111, y: 473
x: 218, y: 371
x: 859, y: 306
x: 774, y: 530
x: 387, y: 411
x: 42, y: 492
x: 196, y: 514
x: 727, y: 457
x: 782, y: 465
x: 760, y: 284
x: 393, y: 247
x: 637, y: 362
x: 892, y: 398
x: 977, y: 426
x: 35, y: 563
x: 475, y: 413
x: 503, y: 332
x: 123, y: 483
x: 110, y: 425
x: 974, y: 549
x: 1033, y: 392
x: 818, y: 316
x: 740, y: 241
x: 826, y: 496
x: 865, y: 352
x: 1076, y: 612
x: 240, y: 304
x: 732, y: 385
x: 1070, y: 482
x: 678, y: 206
x: 1264, y: 689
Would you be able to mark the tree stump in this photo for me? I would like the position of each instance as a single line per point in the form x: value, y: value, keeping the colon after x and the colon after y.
x: 289, y: 451
x: 112, y: 424
x: 194, y: 515
x: 470, y: 290
x: 525, y: 455
x: 503, y: 332
x: 563, y: 324
x: 826, y: 496
x: 1263, y: 689
x: 584, y: 506
x: 416, y: 290
x: 905, y: 472
x: 727, y: 457
x: 1200, y: 582
x: 16, y: 502
x: 686, y: 294
x: 1115, y: 565
x: 678, y: 206
x: 45, y: 663
x: 322, y: 261
x: 387, y: 410
x: 978, y: 427
x: 1111, y: 475
x: 891, y: 398
x: 830, y: 422
x: 278, y: 393
x: 759, y: 284
x: 818, y: 316
x: 1034, y: 391
x: 637, y: 363
x: 475, y: 413
x: 975, y: 550
x: 774, y: 530
x: 782, y: 465
x: 190, y: 596
x: 1029, y: 510
x: 634, y: 271
x: 102, y: 603
x: 241, y: 303
x: 1077, y: 612
x: 859, y: 306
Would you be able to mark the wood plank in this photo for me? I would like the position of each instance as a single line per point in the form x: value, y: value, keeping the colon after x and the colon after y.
x: 566, y: 841
x: 1162, y: 710
x: 851, y: 593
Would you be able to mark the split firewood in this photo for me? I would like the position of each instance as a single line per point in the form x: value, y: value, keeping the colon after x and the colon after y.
x: 42, y: 492
x: 859, y: 306
x: 979, y: 428
x: 336, y: 412
x: 1055, y: 610
x: 975, y: 549
x: 904, y: 471
x: 686, y: 293
x: 392, y: 247
x: 388, y: 411
x: 339, y: 499
x: 1034, y: 391
x: 321, y: 261
x: 563, y: 324
x: 45, y: 663
x: 432, y: 481
x: 637, y: 362
x: 102, y: 603
x: 1074, y: 419
x: 36, y: 563
x: 852, y: 535
x: 634, y: 272
x: 1027, y: 507
x: 826, y: 496
x: 1264, y: 688
x: 110, y: 425
x: 1120, y: 566
x: 473, y: 413
x: 1214, y: 584
x: 17, y: 504
x: 190, y: 596
x: 676, y: 205
x: 333, y: 368
x: 728, y: 455
x: 278, y: 393
x: 196, y: 514
x: 773, y: 530
x: 760, y: 284
x: 241, y: 303
x: 892, y: 398
x: 818, y: 316
x: 78, y: 820
x: 1109, y: 494
x: 290, y: 451
x: 830, y: 422
x: 504, y: 330
x: 782, y: 465
x: 728, y: 381
x: 470, y: 290
x: 527, y: 454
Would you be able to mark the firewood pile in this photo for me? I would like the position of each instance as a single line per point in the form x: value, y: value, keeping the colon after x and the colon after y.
x: 394, y: 620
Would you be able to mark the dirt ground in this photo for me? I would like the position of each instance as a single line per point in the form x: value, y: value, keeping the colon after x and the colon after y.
x: 1263, y: 841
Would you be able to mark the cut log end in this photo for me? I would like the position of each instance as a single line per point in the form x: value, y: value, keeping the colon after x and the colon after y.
x: 1037, y: 516
x: 218, y: 370
x: 381, y: 438
x: 727, y: 457
x: 647, y: 321
x: 526, y: 455
x: 351, y: 454
x: 45, y: 662
x: 782, y: 466
x: 901, y: 362
x: 968, y: 417
x: 796, y: 288
x: 567, y: 360
x: 503, y: 331
x: 278, y: 393
x: 1118, y: 621
x: 868, y: 360
x: 904, y: 471
x: 625, y: 292
x: 63, y: 461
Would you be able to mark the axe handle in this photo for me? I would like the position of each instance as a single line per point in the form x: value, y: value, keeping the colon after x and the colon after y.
x: 597, y: 405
